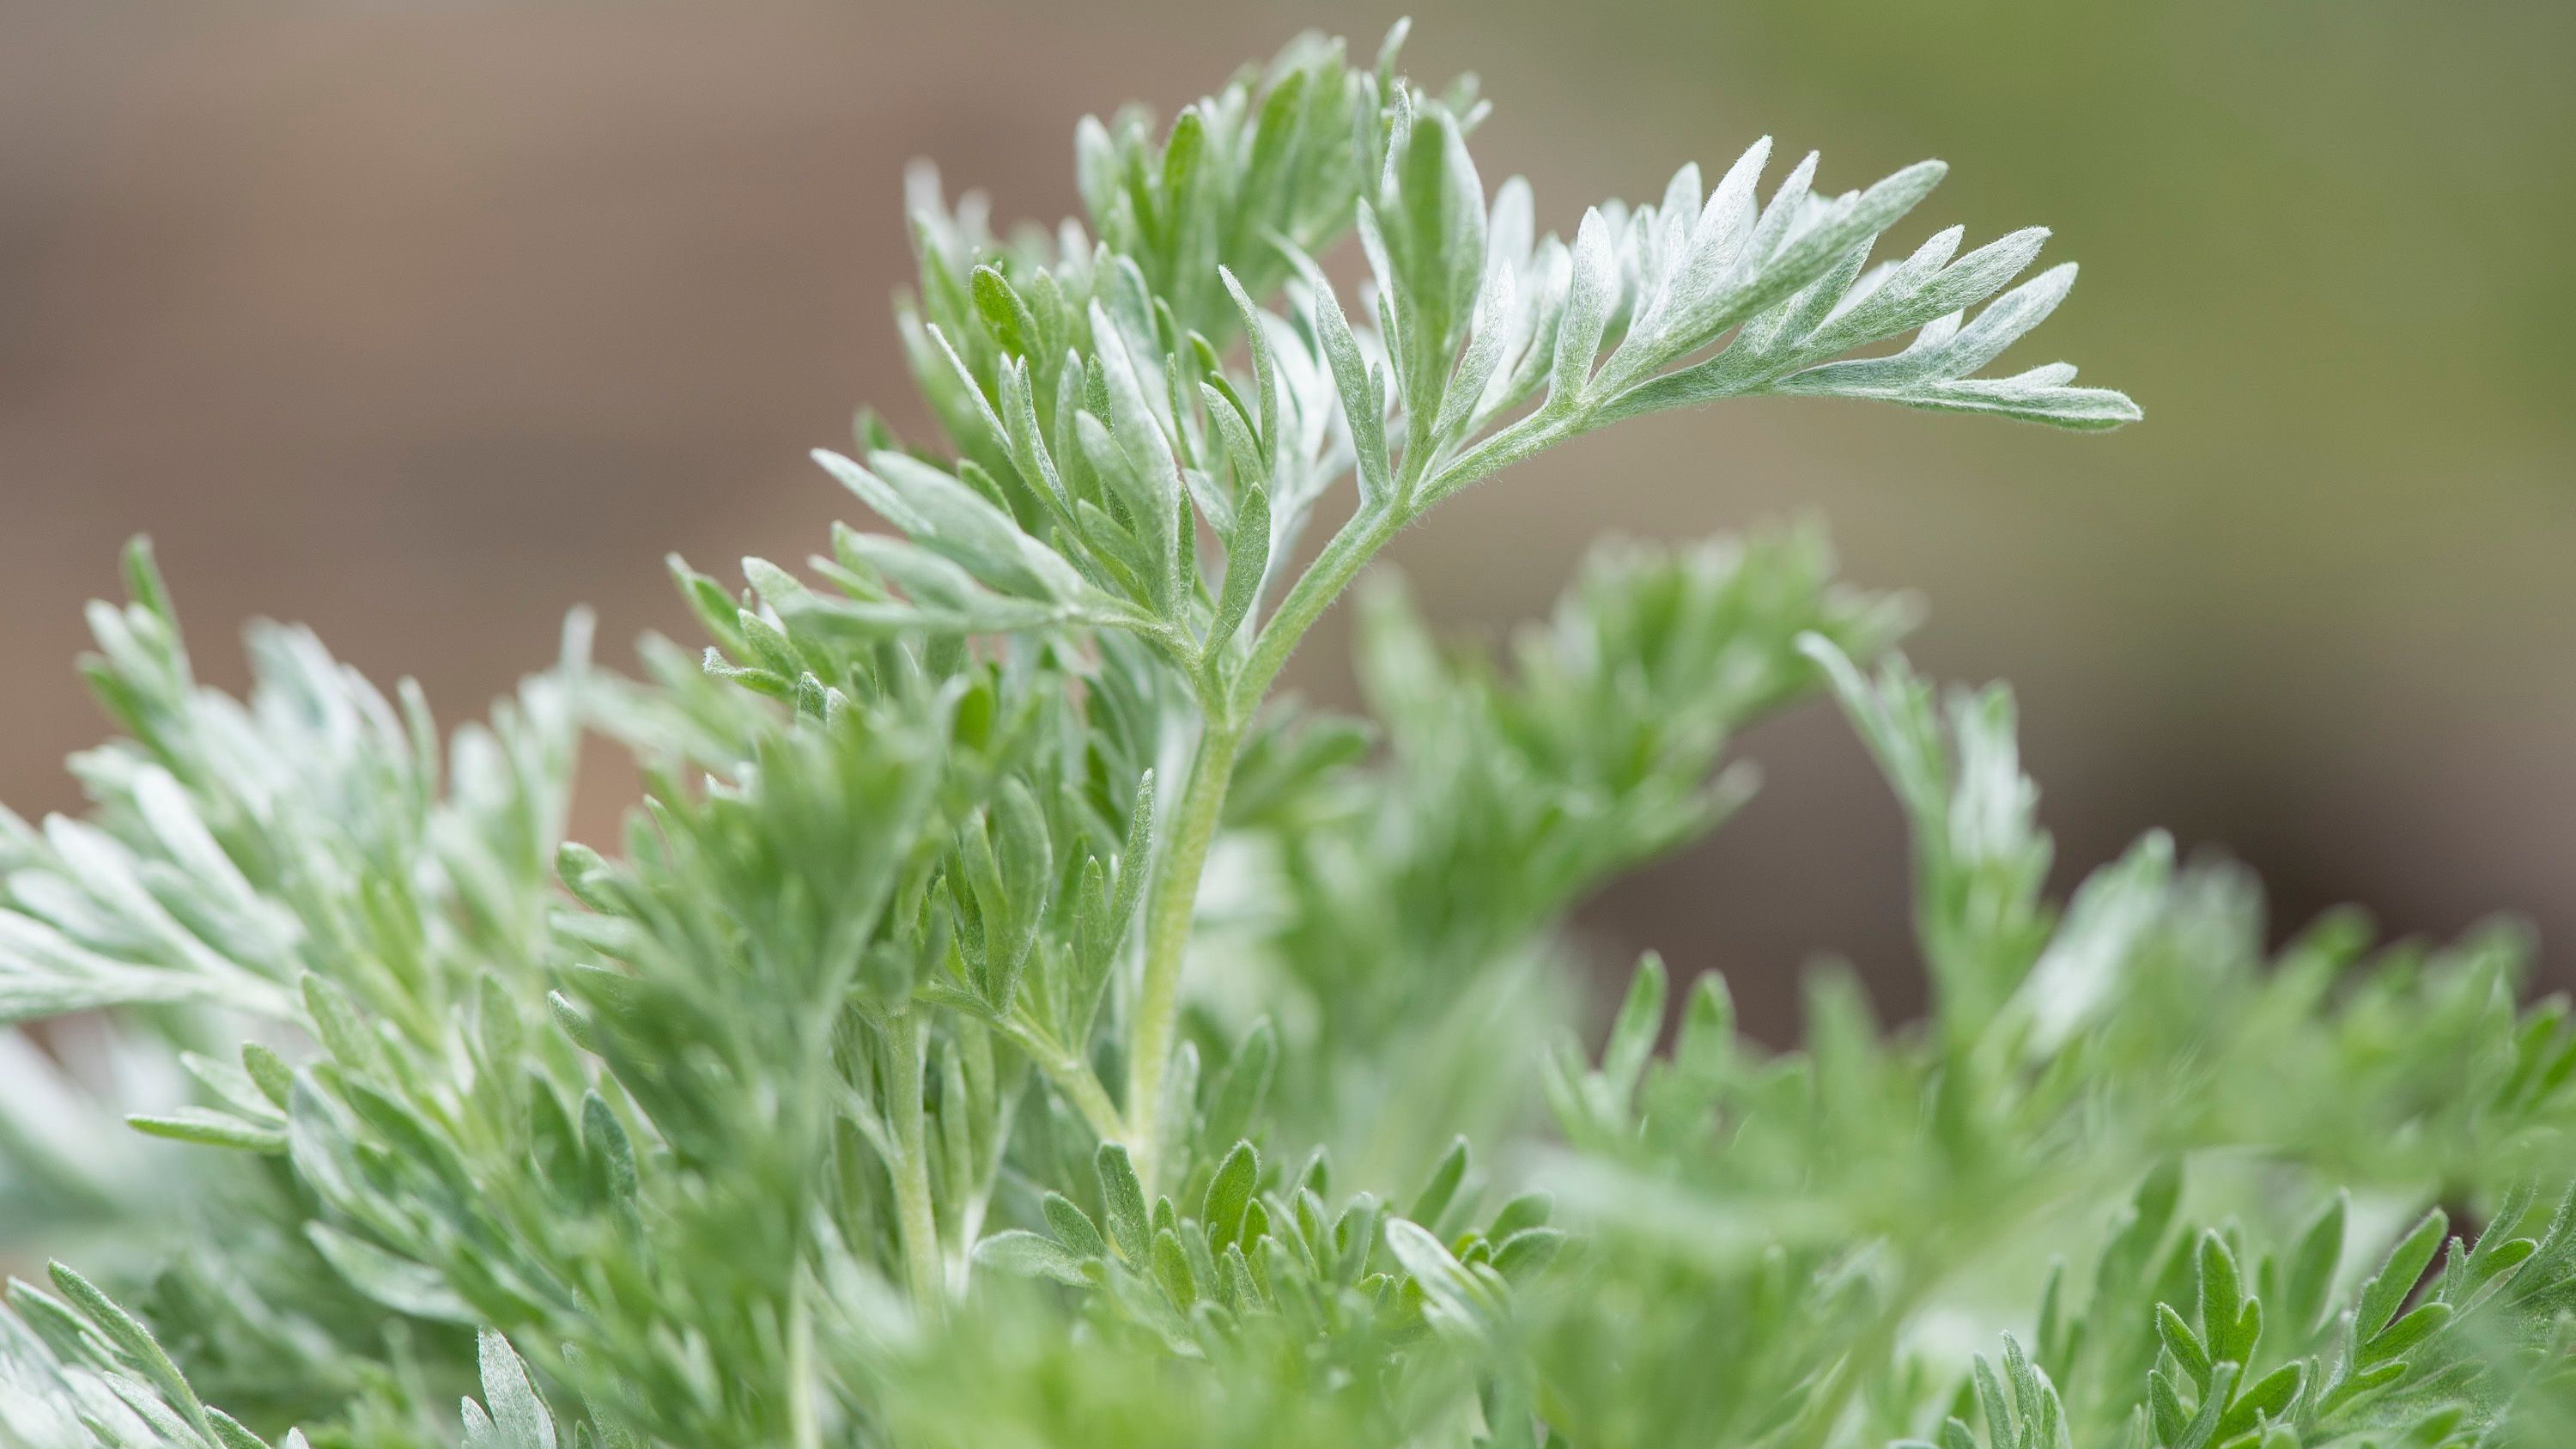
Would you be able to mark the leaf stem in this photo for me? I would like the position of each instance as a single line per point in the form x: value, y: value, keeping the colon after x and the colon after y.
x: 805, y: 1429
x: 1073, y: 1077
x: 1169, y: 905
x: 1174, y: 896
x: 916, y: 1223
x: 1515, y: 443
x: 1315, y: 590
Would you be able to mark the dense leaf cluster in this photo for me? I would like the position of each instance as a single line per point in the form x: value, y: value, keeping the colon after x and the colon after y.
x: 1005, y: 1022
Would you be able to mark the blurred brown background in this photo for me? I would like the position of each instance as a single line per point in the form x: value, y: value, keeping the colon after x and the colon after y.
x: 422, y: 322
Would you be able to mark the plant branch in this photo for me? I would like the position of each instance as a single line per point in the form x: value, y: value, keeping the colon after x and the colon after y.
x: 1072, y: 1077
x: 1333, y: 569
x: 1168, y: 909
x: 1174, y: 897
x: 805, y: 1429
x: 916, y: 1223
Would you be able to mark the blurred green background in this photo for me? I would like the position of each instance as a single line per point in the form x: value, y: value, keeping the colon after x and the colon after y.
x: 422, y: 322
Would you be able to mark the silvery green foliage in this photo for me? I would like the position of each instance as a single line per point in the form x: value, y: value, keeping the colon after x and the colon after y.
x: 1102, y: 429
x: 1003, y: 1021
x: 79, y: 1372
x: 511, y: 1415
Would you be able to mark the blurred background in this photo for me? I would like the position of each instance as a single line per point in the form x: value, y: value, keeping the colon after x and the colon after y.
x: 423, y: 322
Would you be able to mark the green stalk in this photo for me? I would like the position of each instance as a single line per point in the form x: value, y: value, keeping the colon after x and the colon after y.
x: 1174, y: 895
x: 1168, y: 908
x: 1516, y: 443
x: 916, y: 1223
x: 1073, y: 1076
x: 1323, y: 582
x: 805, y: 1430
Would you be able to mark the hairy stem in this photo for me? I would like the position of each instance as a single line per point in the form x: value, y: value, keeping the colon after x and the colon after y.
x: 1323, y: 582
x: 1174, y: 896
x: 1175, y: 890
x: 916, y: 1224
x: 1071, y: 1076
x: 1514, y: 443
x: 805, y: 1430
x: 1168, y: 908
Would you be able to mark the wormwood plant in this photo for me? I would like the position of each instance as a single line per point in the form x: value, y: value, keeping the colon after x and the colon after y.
x: 1004, y: 1022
